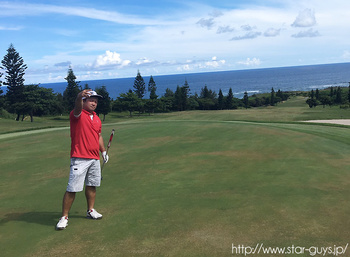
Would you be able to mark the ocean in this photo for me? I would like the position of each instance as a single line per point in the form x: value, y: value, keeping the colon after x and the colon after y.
x: 298, y: 78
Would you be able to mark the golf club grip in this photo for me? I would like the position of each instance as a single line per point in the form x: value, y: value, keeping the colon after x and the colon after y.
x: 110, y: 139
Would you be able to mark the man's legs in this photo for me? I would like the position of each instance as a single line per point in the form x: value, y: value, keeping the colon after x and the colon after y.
x: 81, y: 170
x: 68, y: 200
x: 90, y: 193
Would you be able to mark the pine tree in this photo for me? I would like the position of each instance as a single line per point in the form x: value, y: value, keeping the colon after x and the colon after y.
x: 312, y: 94
x: 186, y: 88
x: 178, y: 99
x: 204, y: 92
x: 71, y: 91
x: 272, y: 98
x: 221, y: 102
x: 152, y: 88
x: 139, y: 85
x: 168, y: 101
x: 338, y: 96
x: 246, y: 100
x: 14, y: 67
x: 229, y: 99
x: 104, y: 104
x: 181, y: 97
x: 185, y: 93
x: 317, y: 94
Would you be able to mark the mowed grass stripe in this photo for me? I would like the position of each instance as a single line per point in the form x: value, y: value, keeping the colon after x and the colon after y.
x: 181, y: 189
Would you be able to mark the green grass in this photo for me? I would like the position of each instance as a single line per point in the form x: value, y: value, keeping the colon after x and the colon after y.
x: 183, y: 184
x: 294, y: 109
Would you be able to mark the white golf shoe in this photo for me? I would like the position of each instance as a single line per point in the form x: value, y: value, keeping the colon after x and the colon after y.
x: 62, y: 223
x: 93, y: 214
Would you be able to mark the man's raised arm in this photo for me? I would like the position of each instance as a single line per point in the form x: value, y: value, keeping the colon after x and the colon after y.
x: 78, y: 107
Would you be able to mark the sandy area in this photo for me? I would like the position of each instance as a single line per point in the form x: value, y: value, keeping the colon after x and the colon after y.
x: 341, y: 122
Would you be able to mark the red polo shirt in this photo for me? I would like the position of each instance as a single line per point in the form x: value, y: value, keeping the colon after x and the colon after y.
x: 84, y: 133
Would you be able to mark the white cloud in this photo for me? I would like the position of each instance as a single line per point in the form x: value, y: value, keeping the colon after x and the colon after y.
x: 206, y: 23
x: 110, y: 59
x: 271, y: 32
x: 251, y: 62
x: 144, y: 61
x: 63, y: 64
x: 214, y: 63
x: 249, y: 35
x: 10, y: 28
x: 216, y: 13
x: 306, y: 18
x: 184, y: 67
x: 15, y: 9
x: 247, y: 27
x: 224, y: 29
x: 52, y: 78
x: 193, y: 65
x: 113, y: 74
x: 307, y: 33
x: 89, y: 75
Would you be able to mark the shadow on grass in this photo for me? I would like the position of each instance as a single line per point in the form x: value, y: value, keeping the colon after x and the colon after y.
x: 41, y: 218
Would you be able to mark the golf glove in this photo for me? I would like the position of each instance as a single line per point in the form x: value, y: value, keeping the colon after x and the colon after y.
x: 105, y: 157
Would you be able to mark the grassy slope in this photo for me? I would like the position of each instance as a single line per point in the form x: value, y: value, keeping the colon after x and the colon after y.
x: 187, y: 184
x: 294, y: 109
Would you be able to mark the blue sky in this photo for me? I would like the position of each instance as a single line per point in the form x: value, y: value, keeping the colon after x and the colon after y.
x: 113, y: 39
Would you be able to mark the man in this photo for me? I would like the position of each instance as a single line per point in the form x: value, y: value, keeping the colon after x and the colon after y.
x: 86, y: 142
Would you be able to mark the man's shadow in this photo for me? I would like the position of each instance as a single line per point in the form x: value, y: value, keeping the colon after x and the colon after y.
x: 41, y: 218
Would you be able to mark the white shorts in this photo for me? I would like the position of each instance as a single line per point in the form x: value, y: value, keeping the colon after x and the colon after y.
x: 83, y: 170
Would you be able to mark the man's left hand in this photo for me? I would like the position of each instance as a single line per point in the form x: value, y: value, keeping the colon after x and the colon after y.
x: 105, y: 156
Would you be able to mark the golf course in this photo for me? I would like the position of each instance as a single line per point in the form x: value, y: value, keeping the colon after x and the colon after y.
x: 190, y: 183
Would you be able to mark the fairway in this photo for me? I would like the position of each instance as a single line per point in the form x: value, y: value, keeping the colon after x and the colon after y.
x: 181, y: 186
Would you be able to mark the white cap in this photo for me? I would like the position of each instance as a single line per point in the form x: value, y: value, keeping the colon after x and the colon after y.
x: 93, y: 94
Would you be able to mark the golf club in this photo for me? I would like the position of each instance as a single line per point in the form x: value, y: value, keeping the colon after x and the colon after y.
x: 108, y: 145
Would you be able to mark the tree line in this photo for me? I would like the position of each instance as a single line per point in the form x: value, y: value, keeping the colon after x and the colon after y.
x: 181, y: 99
x: 330, y: 96
x: 34, y: 100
